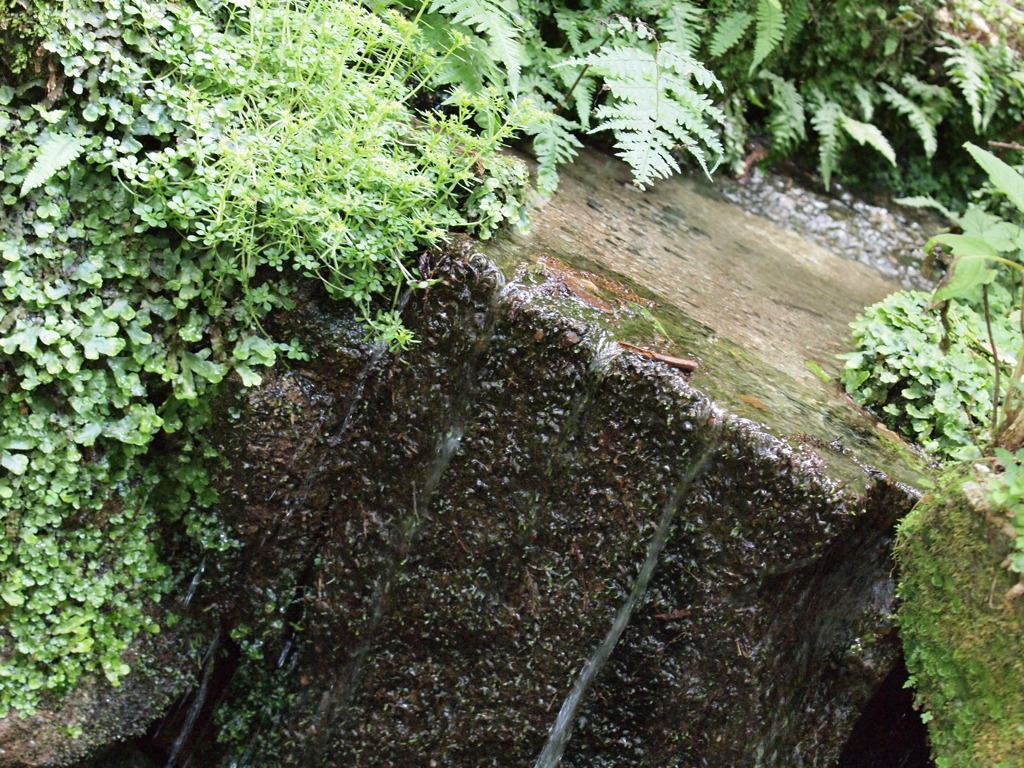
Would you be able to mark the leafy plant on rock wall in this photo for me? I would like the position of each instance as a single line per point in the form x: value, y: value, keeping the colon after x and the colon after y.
x: 163, y: 170
x: 947, y: 369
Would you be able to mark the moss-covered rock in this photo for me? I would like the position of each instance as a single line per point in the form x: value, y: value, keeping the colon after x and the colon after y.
x: 961, y: 634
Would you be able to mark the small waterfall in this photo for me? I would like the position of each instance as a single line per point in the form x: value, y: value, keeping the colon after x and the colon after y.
x: 558, y: 738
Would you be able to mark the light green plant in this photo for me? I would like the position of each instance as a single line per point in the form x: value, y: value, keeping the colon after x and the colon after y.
x: 153, y: 193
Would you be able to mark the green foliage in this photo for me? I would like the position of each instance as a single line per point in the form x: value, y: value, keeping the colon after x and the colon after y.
x: 729, y: 32
x: 655, y: 107
x: 297, y: 164
x: 771, y: 24
x: 499, y: 22
x: 873, y: 74
x: 1006, y: 493
x: 627, y: 68
x: 788, y: 119
x: 941, y: 399
x: 156, y: 191
x: 827, y: 120
x: 933, y: 376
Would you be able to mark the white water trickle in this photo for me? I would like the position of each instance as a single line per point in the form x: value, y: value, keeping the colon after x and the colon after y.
x: 558, y: 737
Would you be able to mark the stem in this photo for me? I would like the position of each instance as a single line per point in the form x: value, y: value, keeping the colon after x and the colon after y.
x: 568, y: 93
x: 995, y: 361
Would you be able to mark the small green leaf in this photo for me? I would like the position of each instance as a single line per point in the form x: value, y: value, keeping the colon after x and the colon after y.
x: 15, y: 463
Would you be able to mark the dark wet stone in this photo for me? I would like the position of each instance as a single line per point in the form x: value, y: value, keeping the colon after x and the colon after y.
x: 434, y: 543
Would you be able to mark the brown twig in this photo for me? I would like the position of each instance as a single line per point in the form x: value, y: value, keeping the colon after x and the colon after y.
x: 1006, y: 145
x: 681, y: 363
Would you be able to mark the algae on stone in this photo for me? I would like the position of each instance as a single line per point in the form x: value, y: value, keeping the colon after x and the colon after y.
x: 961, y: 636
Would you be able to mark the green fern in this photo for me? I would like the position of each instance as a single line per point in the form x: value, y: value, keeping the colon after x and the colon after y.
x: 797, y: 14
x: 771, y: 26
x: 919, y: 119
x: 788, y: 119
x: 866, y: 100
x: 554, y: 143
x: 655, y: 108
x: 868, y: 134
x: 729, y: 32
x: 967, y: 69
x: 937, y: 96
x: 499, y: 22
x: 469, y: 65
x: 56, y: 153
x: 682, y: 24
x: 827, y: 121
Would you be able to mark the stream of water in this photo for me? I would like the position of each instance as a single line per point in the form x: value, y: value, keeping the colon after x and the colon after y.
x: 551, y: 755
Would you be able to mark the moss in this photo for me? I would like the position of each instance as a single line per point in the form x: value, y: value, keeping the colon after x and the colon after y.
x: 962, y: 638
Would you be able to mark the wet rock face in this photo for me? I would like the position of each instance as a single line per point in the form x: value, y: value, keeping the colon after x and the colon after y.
x: 433, y: 545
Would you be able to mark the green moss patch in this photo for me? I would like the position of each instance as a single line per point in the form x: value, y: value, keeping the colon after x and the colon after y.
x: 961, y: 634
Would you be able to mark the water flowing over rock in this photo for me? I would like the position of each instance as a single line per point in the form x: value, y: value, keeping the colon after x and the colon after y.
x: 437, y: 546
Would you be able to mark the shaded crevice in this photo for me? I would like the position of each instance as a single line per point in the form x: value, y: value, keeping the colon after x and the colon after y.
x: 889, y: 732
x: 180, y: 739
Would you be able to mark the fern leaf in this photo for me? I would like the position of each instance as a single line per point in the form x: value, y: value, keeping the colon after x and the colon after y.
x: 826, y: 120
x: 56, y: 153
x: 469, y: 65
x: 655, y: 108
x: 866, y: 100
x: 771, y: 25
x: 968, y: 71
x: 927, y: 93
x: 499, y: 22
x: 797, y: 14
x: 919, y: 120
x: 554, y: 143
x: 568, y: 24
x: 729, y: 32
x: 866, y: 133
x: 928, y: 202
x: 682, y: 24
x: 788, y: 119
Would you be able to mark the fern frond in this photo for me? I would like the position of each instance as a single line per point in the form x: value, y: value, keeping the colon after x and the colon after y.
x: 927, y: 93
x: 866, y: 133
x: 866, y: 100
x: 682, y: 24
x: 729, y: 32
x: 568, y: 24
x: 655, y: 108
x: 771, y: 25
x: 554, y: 143
x: 968, y: 71
x: 826, y: 119
x: 788, y: 119
x: 919, y: 119
x: 797, y: 14
x: 499, y: 22
x: 928, y: 202
x: 56, y: 153
x: 469, y: 64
